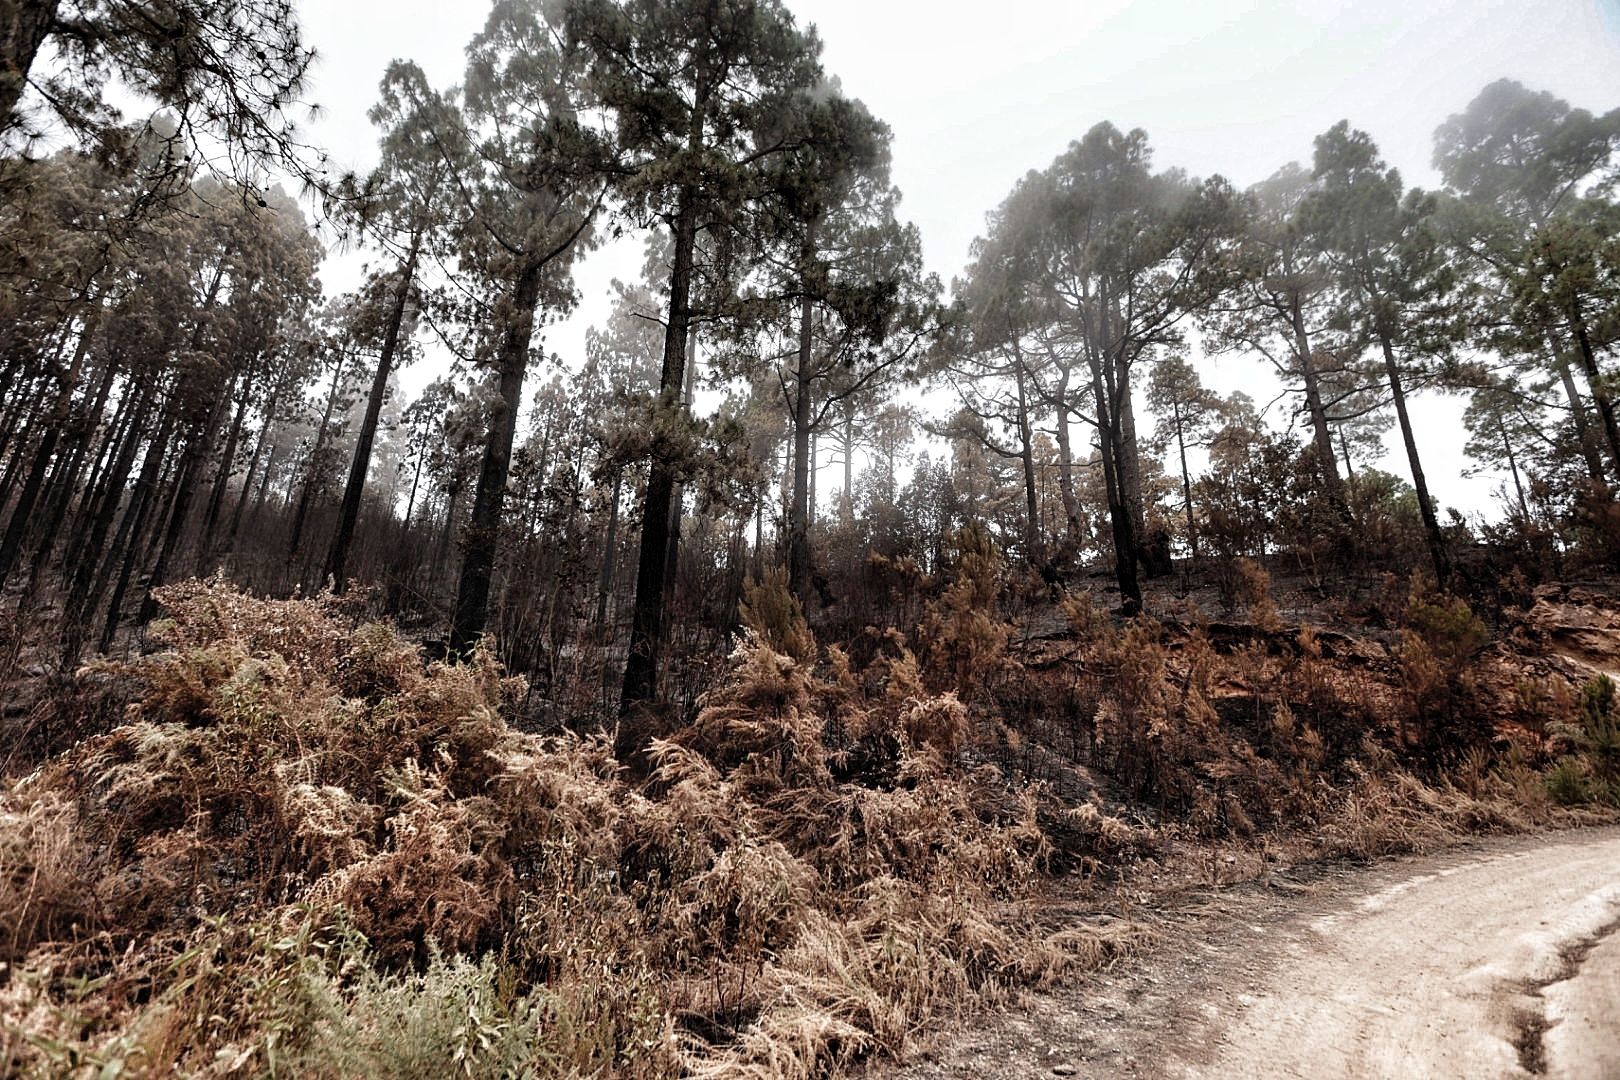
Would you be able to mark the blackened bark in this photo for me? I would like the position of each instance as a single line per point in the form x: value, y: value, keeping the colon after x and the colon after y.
x: 1431, y: 524
x: 647, y: 621
x: 253, y: 468
x: 1026, y: 455
x: 1186, y: 485
x: 87, y: 554
x: 224, y: 470
x: 22, y: 515
x: 360, y: 467
x: 1105, y: 388
x: 610, y: 550
x: 24, y: 26
x: 125, y: 552
x: 1321, y: 433
x: 1119, y: 514
x: 799, y: 507
x: 312, y: 473
x: 846, y: 505
x: 1513, y: 465
x: 113, y: 435
x: 441, y: 552
x: 1577, y: 413
x: 1596, y: 384
x: 185, y: 487
x: 479, y: 541
x: 677, y: 500
x: 1071, y: 502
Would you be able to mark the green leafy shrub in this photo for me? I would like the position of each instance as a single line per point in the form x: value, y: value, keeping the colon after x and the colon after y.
x: 1590, y: 771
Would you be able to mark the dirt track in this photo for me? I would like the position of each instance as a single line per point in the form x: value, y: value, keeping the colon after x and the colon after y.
x: 1498, y: 960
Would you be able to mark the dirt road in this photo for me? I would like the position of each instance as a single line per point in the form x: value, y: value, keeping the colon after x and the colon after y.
x: 1498, y: 960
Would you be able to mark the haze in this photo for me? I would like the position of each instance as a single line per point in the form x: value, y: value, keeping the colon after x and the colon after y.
x: 977, y: 95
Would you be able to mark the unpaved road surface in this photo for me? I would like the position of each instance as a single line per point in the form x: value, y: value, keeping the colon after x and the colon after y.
x: 1499, y: 959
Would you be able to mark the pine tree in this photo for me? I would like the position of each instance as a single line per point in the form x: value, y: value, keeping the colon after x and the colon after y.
x: 698, y: 90
x: 227, y: 74
x: 534, y: 182
x: 405, y: 202
x: 1534, y: 231
x: 1278, y: 307
x: 1394, y: 281
x: 1185, y: 412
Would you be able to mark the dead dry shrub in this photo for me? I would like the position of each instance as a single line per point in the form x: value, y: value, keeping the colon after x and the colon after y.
x: 776, y: 615
x: 1229, y: 742
x: 1242, y: 584
x: 964, y: 644
x: 1394, y: 812
x: 1252, y: 590
x: 306, y: 853
x: 1162, y: 735
x: 47, y: 873
x: 1086, y: 621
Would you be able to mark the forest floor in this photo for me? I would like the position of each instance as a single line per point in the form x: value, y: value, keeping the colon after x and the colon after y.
x: 1236, y: 938
x: 1496, y: 958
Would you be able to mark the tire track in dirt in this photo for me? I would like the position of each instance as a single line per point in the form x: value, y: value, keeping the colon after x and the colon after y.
x: 1500, y: 959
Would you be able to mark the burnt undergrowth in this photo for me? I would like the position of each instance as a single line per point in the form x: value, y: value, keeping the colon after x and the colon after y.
x: 283, y: 844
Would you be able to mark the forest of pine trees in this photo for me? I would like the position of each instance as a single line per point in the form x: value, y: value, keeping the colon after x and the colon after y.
x: 786, y: 423
x: 183, y: 397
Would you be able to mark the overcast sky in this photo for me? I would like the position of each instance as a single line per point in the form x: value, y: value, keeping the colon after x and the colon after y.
x: 978, y: 94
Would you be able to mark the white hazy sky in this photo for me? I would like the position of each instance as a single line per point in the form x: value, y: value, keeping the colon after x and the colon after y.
x: 978, y: 94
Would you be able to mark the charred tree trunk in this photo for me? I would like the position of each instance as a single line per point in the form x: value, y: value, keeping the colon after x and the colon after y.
x: 1431, y: 524
x: 1026, y: 456
x: 610, y: 549
x: 126, y: 419
x: 312, y: 472
x: 23, y: 29
x: 125, y: 552
x: 1106, y: 388
x: 1577, y: 414
x: 1071, y: 502
x: 66, y: 483
x: 410, y: 500
x: 185, y: 484
x: 222, y: 479
x: 22, y: 514
x: 1119, y: 519
x: 203, y: 399
x: 677, y: 502
x: 360, y: 467
x: 1513, y: 466
x: 1596, y: 384
x: 188, y: 479
x: 441, y: 556
x: 1321, y: 432
x: 846, y: 508
x: 87, y: 554
x: 1186, y: 484
x: 1130, y: 458
x: 480, y: 540
x: 799, y: 507
x: 759, y: 538
x: 253, y: 469
x: 647, y: 623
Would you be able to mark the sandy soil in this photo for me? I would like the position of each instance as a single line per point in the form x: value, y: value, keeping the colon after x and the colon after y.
x: 1498, y: 959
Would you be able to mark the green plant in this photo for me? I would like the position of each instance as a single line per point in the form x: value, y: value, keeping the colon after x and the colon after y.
x: 1590, y: 772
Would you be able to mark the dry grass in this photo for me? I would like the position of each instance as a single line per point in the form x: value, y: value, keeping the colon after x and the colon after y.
x: 305, y: 854
x: 1371, y: 752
